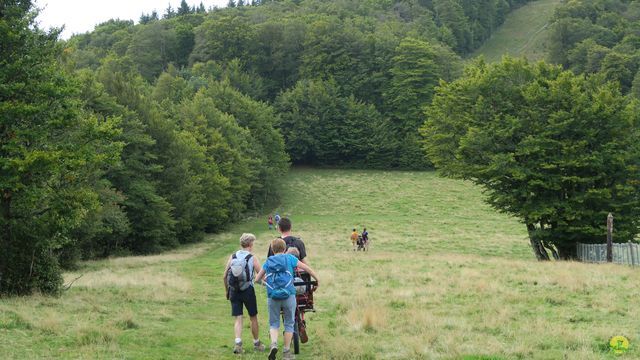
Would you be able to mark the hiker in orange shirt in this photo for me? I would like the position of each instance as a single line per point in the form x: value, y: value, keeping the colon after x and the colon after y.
x: 354, y: 239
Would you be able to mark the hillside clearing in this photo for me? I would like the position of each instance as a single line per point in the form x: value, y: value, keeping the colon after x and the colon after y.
x: 523, y: 33
x: 447, y: 278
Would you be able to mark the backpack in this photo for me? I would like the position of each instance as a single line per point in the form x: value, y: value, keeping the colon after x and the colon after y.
x: 279, y: 279
x: 290, y: 241
x: 239, y: 276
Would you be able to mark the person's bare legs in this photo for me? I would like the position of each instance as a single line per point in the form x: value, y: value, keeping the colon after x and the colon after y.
x: 238, y: 327
x: 273, y: 333
x: 287, y: 340
x: 254, y: 327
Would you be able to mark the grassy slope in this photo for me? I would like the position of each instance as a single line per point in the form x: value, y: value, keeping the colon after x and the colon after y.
x: 447, y: 277
x: 523, y: 33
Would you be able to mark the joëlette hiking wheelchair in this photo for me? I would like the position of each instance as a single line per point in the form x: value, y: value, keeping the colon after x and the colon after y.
x: 363, y: 244
x: 304, y: 303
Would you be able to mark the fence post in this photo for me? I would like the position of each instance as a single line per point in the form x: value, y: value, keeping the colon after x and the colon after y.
x: 610, y: 238
x: 633, y: 260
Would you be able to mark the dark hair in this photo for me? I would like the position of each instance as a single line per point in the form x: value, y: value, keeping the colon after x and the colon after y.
x: 354, y: 229
x: 284, y: 225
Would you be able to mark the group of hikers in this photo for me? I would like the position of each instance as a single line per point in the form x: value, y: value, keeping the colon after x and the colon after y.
x: 271, y: 219
x: 243, y: 269
x: 360, y: 241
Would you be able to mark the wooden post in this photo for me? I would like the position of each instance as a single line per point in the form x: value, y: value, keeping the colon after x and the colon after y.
x: 633, y: 260
x: 610, y: 238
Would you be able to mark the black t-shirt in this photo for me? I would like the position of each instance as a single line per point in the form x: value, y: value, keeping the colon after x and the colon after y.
x: 295, y: 242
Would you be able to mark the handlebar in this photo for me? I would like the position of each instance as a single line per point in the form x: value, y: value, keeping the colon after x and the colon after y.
x: 305, y: 283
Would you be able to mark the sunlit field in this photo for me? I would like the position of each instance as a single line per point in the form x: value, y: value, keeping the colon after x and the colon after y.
x: 446, y: 278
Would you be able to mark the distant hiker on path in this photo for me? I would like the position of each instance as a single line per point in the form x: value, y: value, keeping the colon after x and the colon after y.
x: 238, y: 281
x: 277, y: 218
x: 365, y: 238
x: 354, y: 239
x: 284, y: 227
x: 278, y: 272
x: 270, y: 222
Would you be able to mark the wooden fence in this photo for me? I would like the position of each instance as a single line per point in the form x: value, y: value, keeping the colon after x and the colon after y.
x: 628, y: 253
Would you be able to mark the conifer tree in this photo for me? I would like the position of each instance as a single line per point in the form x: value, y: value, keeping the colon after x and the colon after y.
x: 184, y: 8
x: 169, y: 12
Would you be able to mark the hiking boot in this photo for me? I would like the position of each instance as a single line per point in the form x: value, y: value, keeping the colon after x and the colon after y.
x: 237, y: 348
x: 259, y: 346
x: 288, y: 355
x: 273, y: 351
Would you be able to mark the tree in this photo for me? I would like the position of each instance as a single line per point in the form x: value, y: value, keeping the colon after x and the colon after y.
x: 144, y: 18
x: 184, y: 8
x: 417, y: 68
x: 221, y: 39
x: 451, y: 14
x: 169, y: 12
x: 153, y: 47
x: 321, y: 127
x: 49, y: 150
x: 152, y: 226
x: 635, y: 88
x: 556, y: 150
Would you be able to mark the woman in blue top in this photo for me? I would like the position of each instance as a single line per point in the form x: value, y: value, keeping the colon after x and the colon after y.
x: 278, y: 271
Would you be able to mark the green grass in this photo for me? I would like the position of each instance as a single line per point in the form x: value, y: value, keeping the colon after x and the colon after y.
x: 446, y: 278
x: 523, y: 33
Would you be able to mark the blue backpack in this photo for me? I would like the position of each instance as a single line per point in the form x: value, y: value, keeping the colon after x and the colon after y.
x: 279, y: 279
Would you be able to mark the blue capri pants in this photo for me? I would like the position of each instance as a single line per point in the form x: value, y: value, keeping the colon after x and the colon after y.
x: 288, y: 307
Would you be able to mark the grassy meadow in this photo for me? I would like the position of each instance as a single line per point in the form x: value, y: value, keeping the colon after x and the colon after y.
x: 446, y: 278
x: 523, y: 33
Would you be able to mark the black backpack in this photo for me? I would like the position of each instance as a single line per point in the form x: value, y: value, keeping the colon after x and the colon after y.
x: 239, y: 276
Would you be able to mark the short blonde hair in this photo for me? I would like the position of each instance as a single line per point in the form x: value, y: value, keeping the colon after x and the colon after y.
x: 246, y: 240
x: 278, y: 246
x: 294, y: 251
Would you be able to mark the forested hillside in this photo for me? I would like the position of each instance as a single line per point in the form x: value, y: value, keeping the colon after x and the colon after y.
x: 347, y: 78
x: 135, y: 138
x: 599, y: 36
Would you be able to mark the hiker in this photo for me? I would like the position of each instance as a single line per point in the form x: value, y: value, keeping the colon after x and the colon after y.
x: 238, y: 280
x: 365, y: 238
x: 354, y: 239
x: 270, y: 222
x: 278, y: 218
x: 278, y: 273
x: 284, y: 227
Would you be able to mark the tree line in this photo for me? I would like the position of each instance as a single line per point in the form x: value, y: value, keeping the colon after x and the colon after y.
x: 99, y: 162
x: 359, y: 55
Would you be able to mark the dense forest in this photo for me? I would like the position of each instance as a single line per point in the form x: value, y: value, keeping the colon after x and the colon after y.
x: 347, y: 79
x: 599, y: 36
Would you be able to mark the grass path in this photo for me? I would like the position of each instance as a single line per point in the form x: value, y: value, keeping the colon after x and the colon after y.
x: 523, y: 33
x: 447, y: 278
